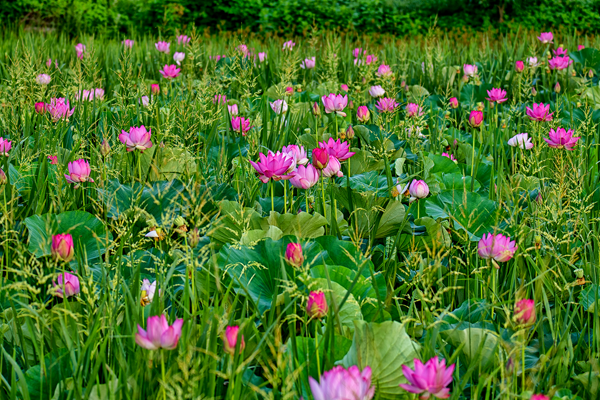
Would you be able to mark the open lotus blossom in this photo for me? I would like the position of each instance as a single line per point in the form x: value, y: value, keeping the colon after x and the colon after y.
x: 178, y: 57
x: 384, y: 70
x: 429, y: 379
x: 293, y: 254
x: 158, y: 333
x: 183, y: 39
x: 539, y: 112
x: 337, y: 149
x: 66, y: 285
x: 273, y: 166
x: 308, y: 63
x: 80, y: 49
x: 163, y: 47
x: 519, y: 66
x: 340, y: 383
x: 561, y: 52
x: 230, y: 339
x: 362, y: 114
x: 476, y: 118
x: 335, y: 103
x: 148, y: 290
x: 297, y: 152
x: 40, y: 107
x: 539, y: 397
x: 497, y: 247
x: 533, y: 62
x: 289, y: 45
x: 386, y: 105
x: 521, y: 140
x: 418, y: 189
x: 470, y: 70
x: 559, y: 63
x: 453, y: 102
x: 305, y: 177
x: 79, y: 172
x: 136, y: 138
x: 333, y: 168
x: 240, y: 125
x: 376, y: 91
x: 316, y: 306
x: 344, y: 87
x: 524, y: 312
x: 62, y: 247
x: 220, y: 99
x: 546, y: 37
x: 58, y: 108
x: 233, y: 110
x: 450, y: 156
x: 262, y: 57
x: 496, y: 95
x: 413, y: 110
x: 43, y: 79
x: 53, y: 160
x: 170, y: 71
x: 128, y: 43
x: 279, y: 106
x: 5, y: 146
x: 561, y: 138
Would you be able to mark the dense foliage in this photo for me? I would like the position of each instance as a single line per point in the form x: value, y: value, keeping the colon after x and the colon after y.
x: 399, y: 17
x: 431, y: 224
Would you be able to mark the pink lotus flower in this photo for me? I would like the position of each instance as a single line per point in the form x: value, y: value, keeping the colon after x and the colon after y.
x: 371, y: 58
x: 521, y: 140
x: 335, y: 103
x: 62, y: 247
x: 357, y: 52
x: 344, y: 88
x: 163, y: 47
x: 145, y: 101
x: 560, y: 138
x: 418, y: 189
x: 243, y: 50
x: 49, y: 63
x: 470, y: 70
x: 453, y: 102
x: 362, y: 114
x: 279, y: 106
x: 220, y: 99
x: 79, y: 172
x: 496, y: 246
x: 155, y: 88
x: 240, y: 125
x: 376, y: 91
x: 546, y: 37
x: 289, y: 45
x: 559, y: 63
x: 384, y: 70
x: 262, y: 57
x: 128, y: 43
x: 66, y: 285
x: 476, y: 118
x: 5, y: 146
x: 430, y: 379
x: 561, y: 52
x: 386, y: 105
x: 230, y: 340
x: 43, y: 79
x: 580, y: 47
x: 40, y: 107
x: 450, y: 156
x: 136, y: 138
x: 496, y: 96
x: 305, y: 177
x: 170, y: 71
x: 320, y: 158
x: 233, y: 110
x: 343, y: 384
x: 289, y: 90
x: 58, y: 108
x: 539, y: 112
x: 273, y: 166
x: 297, y: 152
x: 337, y: 149
x: 183, y: 39
x: 519, y: 66
x: 80, y: 49
x: 178, y: 57
x: 308, y: 63
x: 316, y: 306
x: 524, y: 312
x: 293, y: 254
x: 53, y: 160
x: 539, y: 397
x: 413, y: 109
x: 217, y: 57
x: 158, y: 333
x: 333, y: 168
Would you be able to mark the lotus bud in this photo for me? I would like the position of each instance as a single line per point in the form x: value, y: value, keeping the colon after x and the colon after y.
x: 578, y: 273
x: 62, y: 248
x: 194, y: 237
x: 104, y: 148
x: 362, y: 114
x: 524, y: 312
x: 533, y: 91
x: 350, y: 132
x: 453, y: 102
x: 155, y: 88
x: 40, y: 107
x: 320, y: 158
x: 590, y: 73
x: 476, y: 118
x: 293, y: 254
x: 316, y: 110
x: 230, y: 339
x: 557, y: 87
x: 519, y: 66
x: 316, y: 307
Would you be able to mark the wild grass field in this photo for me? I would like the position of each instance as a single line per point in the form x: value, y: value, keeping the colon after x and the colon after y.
x: 328, y: 218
